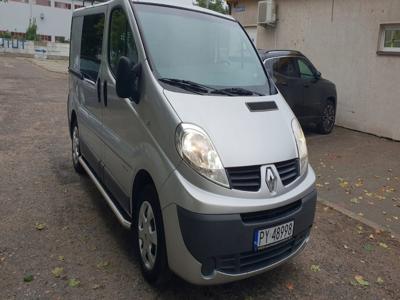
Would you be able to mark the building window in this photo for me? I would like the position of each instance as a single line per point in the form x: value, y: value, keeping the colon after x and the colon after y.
x: 43, y: 2
x: 62, y: 5
x: 20, y: 1
x: 44, y: 38
x: 60, y: 39
x: 389, y: 39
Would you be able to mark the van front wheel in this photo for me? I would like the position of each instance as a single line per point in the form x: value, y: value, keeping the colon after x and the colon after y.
x: 149, y: 237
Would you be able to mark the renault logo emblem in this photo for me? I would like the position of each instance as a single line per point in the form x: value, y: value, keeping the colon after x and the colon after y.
x: 270, y: 179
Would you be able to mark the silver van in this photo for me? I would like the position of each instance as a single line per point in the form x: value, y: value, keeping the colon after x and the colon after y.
x: 175, y: 120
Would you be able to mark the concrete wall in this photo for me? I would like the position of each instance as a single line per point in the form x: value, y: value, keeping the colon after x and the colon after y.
x: 15, y: 16
x: 29, y: 49
x: 341, y: 38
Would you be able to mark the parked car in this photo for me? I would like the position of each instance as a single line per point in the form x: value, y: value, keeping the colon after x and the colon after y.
x: 312, y: 98
x: 188, y: 141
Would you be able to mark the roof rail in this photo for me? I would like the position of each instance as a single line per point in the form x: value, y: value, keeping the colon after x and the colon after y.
x: 281, y: 50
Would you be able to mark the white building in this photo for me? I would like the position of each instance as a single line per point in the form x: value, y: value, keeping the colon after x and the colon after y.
x: 354, y: 43
x: 53, y: 17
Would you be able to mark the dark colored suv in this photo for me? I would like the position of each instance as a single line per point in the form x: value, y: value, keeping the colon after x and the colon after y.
x: 311, y: 97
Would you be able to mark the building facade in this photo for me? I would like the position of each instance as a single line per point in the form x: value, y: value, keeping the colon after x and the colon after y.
x: 53, y: 18
x: 354, y: 43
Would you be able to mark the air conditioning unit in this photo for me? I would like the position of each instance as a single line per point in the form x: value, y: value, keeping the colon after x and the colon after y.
x: 267, y: 13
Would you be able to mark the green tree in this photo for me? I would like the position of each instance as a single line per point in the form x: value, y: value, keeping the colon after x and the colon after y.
x: 5, y: 35
x: 216, y: 5
x: 31, y: 32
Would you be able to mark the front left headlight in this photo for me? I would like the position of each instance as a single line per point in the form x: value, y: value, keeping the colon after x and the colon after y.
x: 301, y: 145
x: 196, y: 148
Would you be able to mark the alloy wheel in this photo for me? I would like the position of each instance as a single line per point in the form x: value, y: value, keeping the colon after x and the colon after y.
x: 328, y: 117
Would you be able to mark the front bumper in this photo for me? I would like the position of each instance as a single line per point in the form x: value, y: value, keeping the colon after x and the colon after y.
x: 210, y: 249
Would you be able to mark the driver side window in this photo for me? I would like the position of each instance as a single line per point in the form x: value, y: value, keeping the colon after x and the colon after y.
x: 121, y: 41
x: 305, y: 69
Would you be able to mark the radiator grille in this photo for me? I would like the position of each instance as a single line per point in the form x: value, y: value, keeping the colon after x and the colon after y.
x: 245, y: 178
x: 249, y: 178
x: 288, y: 170
x: 272, y: 214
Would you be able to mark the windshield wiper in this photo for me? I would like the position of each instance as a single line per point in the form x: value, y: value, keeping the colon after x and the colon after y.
x: 204, y: 89
x: 193, y: 86
x: 186, y: 85
x: 239, y: 91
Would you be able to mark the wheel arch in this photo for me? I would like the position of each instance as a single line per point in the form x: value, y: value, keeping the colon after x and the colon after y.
x: 331, y: 99
x: 72, y: 120
x: 142, y: 179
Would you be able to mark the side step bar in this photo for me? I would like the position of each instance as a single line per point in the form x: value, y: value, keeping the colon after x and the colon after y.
x: 125, y: 223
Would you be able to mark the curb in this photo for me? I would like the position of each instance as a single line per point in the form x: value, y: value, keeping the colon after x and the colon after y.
x: 358, y: 218
x: 32, y: 61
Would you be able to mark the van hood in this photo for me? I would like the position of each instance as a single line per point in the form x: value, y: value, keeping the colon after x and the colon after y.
x: 241, y: 137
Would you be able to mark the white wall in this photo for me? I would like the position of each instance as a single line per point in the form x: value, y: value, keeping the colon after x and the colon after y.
x: 15, y: 17
x: 252, y: 32
x: 342, y: 43
x: 28, y: 48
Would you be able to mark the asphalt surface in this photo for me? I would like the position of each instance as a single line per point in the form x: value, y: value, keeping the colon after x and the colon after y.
x: 359, y: 172
x: 59, y: 240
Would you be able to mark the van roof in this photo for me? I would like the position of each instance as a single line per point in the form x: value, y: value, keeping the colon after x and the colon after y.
x: 186, y: 4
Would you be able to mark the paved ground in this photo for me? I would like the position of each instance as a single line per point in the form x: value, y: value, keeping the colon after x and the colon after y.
x: 360, y: 173
x: 56, y: 230
x: 52, y: 65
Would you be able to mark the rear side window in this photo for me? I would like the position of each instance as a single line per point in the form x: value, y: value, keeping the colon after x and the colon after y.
x: 269, y: 65
x: 91, y: 45
x: 121, y: 41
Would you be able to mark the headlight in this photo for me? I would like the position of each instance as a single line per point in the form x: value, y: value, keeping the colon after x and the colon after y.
x: 301, y: 145
x: 195, y: 147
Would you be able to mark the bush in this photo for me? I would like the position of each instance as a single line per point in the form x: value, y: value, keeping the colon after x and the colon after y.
x: 5, y: 35
x: 31, y: 32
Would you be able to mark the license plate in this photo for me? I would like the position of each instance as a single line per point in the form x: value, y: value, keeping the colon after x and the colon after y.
x: 269, y: 236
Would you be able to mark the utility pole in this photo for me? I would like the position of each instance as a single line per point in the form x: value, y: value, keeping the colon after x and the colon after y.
x: 30, y: 9
x: 208, y: 3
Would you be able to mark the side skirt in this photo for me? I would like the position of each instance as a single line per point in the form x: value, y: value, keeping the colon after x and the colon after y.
x: 124, y: 222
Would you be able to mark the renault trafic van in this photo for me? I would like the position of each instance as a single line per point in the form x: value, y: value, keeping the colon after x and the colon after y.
x: 175, y: 120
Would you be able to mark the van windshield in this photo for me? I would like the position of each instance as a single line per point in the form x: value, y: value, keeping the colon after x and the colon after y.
x: 195, y: 51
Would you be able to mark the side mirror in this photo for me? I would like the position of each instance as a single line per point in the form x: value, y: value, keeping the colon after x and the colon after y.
x: 318, y: 75
x: 128, y: 76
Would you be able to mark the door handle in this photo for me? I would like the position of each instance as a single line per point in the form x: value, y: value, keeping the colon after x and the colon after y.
x: 105, y: 92
x: 306, y: 85
x: 99, y: 90
x: 284, y: 83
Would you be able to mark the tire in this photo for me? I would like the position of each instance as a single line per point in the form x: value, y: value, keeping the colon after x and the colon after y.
x: 75, y: 149
x: 149, y: 239
x: 328, y: 118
